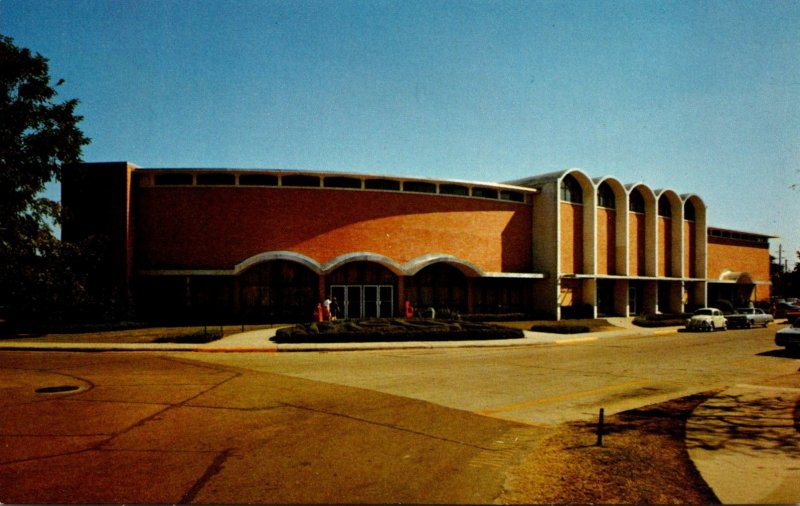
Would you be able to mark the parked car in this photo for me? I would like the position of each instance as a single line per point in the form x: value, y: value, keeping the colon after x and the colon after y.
x: 788, y: 311
x: 707, y: 318
x: 746, y: 317
x: 789, y: 337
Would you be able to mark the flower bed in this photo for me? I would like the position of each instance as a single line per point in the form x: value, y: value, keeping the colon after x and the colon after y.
x: 393, y: 330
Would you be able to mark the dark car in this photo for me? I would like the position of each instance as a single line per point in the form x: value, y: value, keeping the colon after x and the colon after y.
x: 788, y: 311
x: 789, y: 337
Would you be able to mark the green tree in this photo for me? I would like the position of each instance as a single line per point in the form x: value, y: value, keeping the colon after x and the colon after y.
x: 38, y: 136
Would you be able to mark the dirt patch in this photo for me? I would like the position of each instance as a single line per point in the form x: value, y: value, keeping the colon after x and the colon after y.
x: 643, y: 460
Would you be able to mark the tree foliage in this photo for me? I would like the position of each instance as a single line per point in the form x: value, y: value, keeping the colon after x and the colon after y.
x: 38, y: 136
x: 785, y: 282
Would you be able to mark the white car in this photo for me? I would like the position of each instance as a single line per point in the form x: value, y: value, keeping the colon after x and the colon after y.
x: 707, y: 318
x: 789, y: 337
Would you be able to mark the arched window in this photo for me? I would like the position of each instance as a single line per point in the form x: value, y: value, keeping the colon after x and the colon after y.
x: 688, y: 211
x: 571, y: 190
x: 664, y: 207
x: 637, y: 202
x: 605, y: 196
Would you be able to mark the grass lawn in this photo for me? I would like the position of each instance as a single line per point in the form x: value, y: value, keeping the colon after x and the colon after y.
x: 136, y: 335
x: 643, y: 460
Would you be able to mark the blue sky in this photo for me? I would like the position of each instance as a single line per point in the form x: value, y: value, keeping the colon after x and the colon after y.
x: 701, y: 97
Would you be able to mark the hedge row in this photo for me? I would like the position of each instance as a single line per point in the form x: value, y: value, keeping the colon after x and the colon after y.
x: 661, y: 320
x: 199, y: 337
x: 393, y: 330
x: 561, y: 329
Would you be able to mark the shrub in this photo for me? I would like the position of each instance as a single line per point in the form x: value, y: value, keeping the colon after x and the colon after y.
x: 198, y: 337
x: 561, y: 328
x: 394, y: 330
x: 500, y: 317
x: 660, y: 320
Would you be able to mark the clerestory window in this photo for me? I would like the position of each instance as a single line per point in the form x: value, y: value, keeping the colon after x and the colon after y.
x: 571, y: 190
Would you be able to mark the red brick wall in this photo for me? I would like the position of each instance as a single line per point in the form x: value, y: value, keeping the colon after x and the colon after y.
x: 201, y: 227
x: 571, y: 238
x: 664, y: 246
x: 636, y: 244
x: 725, y: 254
x: 690, y: 249
x: 606, y: 241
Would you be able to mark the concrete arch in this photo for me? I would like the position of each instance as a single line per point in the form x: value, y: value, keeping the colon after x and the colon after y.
x: 587, y: 185
x: 642, y: 231
x: 647, y: 193
x: 675, y: 202
x: 269, y: 256
x: 612, y: 237
x: 415, y: 265
x: 363, y: 256
x: 620, y: 193
x: 742, y: 278
x: 697, y: 203
x: 695, y: 241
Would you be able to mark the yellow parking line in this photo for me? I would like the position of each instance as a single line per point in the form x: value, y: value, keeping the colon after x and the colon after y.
x: 558, y: 398
x: 577, y: 340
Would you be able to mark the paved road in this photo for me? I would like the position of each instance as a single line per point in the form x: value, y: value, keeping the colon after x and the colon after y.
x: 545, y: 385
x: 379, y: 426
x: 149, y: 428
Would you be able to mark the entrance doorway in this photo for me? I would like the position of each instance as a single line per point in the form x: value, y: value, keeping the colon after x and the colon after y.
x: 364, y: 301
x: 633, y: 307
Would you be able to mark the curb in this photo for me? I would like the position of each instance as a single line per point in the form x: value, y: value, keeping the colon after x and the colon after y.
x: 530, y: 339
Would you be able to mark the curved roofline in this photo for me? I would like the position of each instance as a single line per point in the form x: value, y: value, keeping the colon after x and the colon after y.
x: 549, y: 177
x: 321, y: 173
x: 410, y: 268
x: 615, y: 184
x: 362, y: 256
x: 664, y: 191
x: 686, y: 197
x: 278, y: 255
x: 739, y: 277
x: 415, y: 265
x: 649, y: 193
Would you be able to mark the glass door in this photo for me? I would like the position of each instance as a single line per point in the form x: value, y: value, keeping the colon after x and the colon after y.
x: 364, y: 301
x: 385, y: 301
x: 349, y: 299
x: 352, y: 302
x: 371, y: 302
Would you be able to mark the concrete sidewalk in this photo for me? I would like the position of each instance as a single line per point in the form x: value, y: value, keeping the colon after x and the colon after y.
x: 260, y: 341
x: 746, y: 445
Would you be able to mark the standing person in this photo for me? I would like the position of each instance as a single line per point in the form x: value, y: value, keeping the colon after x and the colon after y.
x: 409, y: 309
x: 326, y: 308
x: 334, y: 310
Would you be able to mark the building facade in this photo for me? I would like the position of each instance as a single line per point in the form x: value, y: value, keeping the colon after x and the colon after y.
x: 269, y: 244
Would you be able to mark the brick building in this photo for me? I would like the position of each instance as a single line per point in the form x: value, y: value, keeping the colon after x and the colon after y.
x: 269, y: 244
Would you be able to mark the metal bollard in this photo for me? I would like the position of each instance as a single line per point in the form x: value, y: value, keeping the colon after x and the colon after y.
x: 600, y: 428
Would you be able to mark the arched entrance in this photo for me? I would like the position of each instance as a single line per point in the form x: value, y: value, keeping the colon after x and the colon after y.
x: 440, y: 286
x: 363, y: 290
x: 279, y: 290
x: 734, y: 289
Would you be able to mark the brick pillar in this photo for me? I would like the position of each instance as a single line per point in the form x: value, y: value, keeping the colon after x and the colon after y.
x: 322, y: 293
x: 400, y: 300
